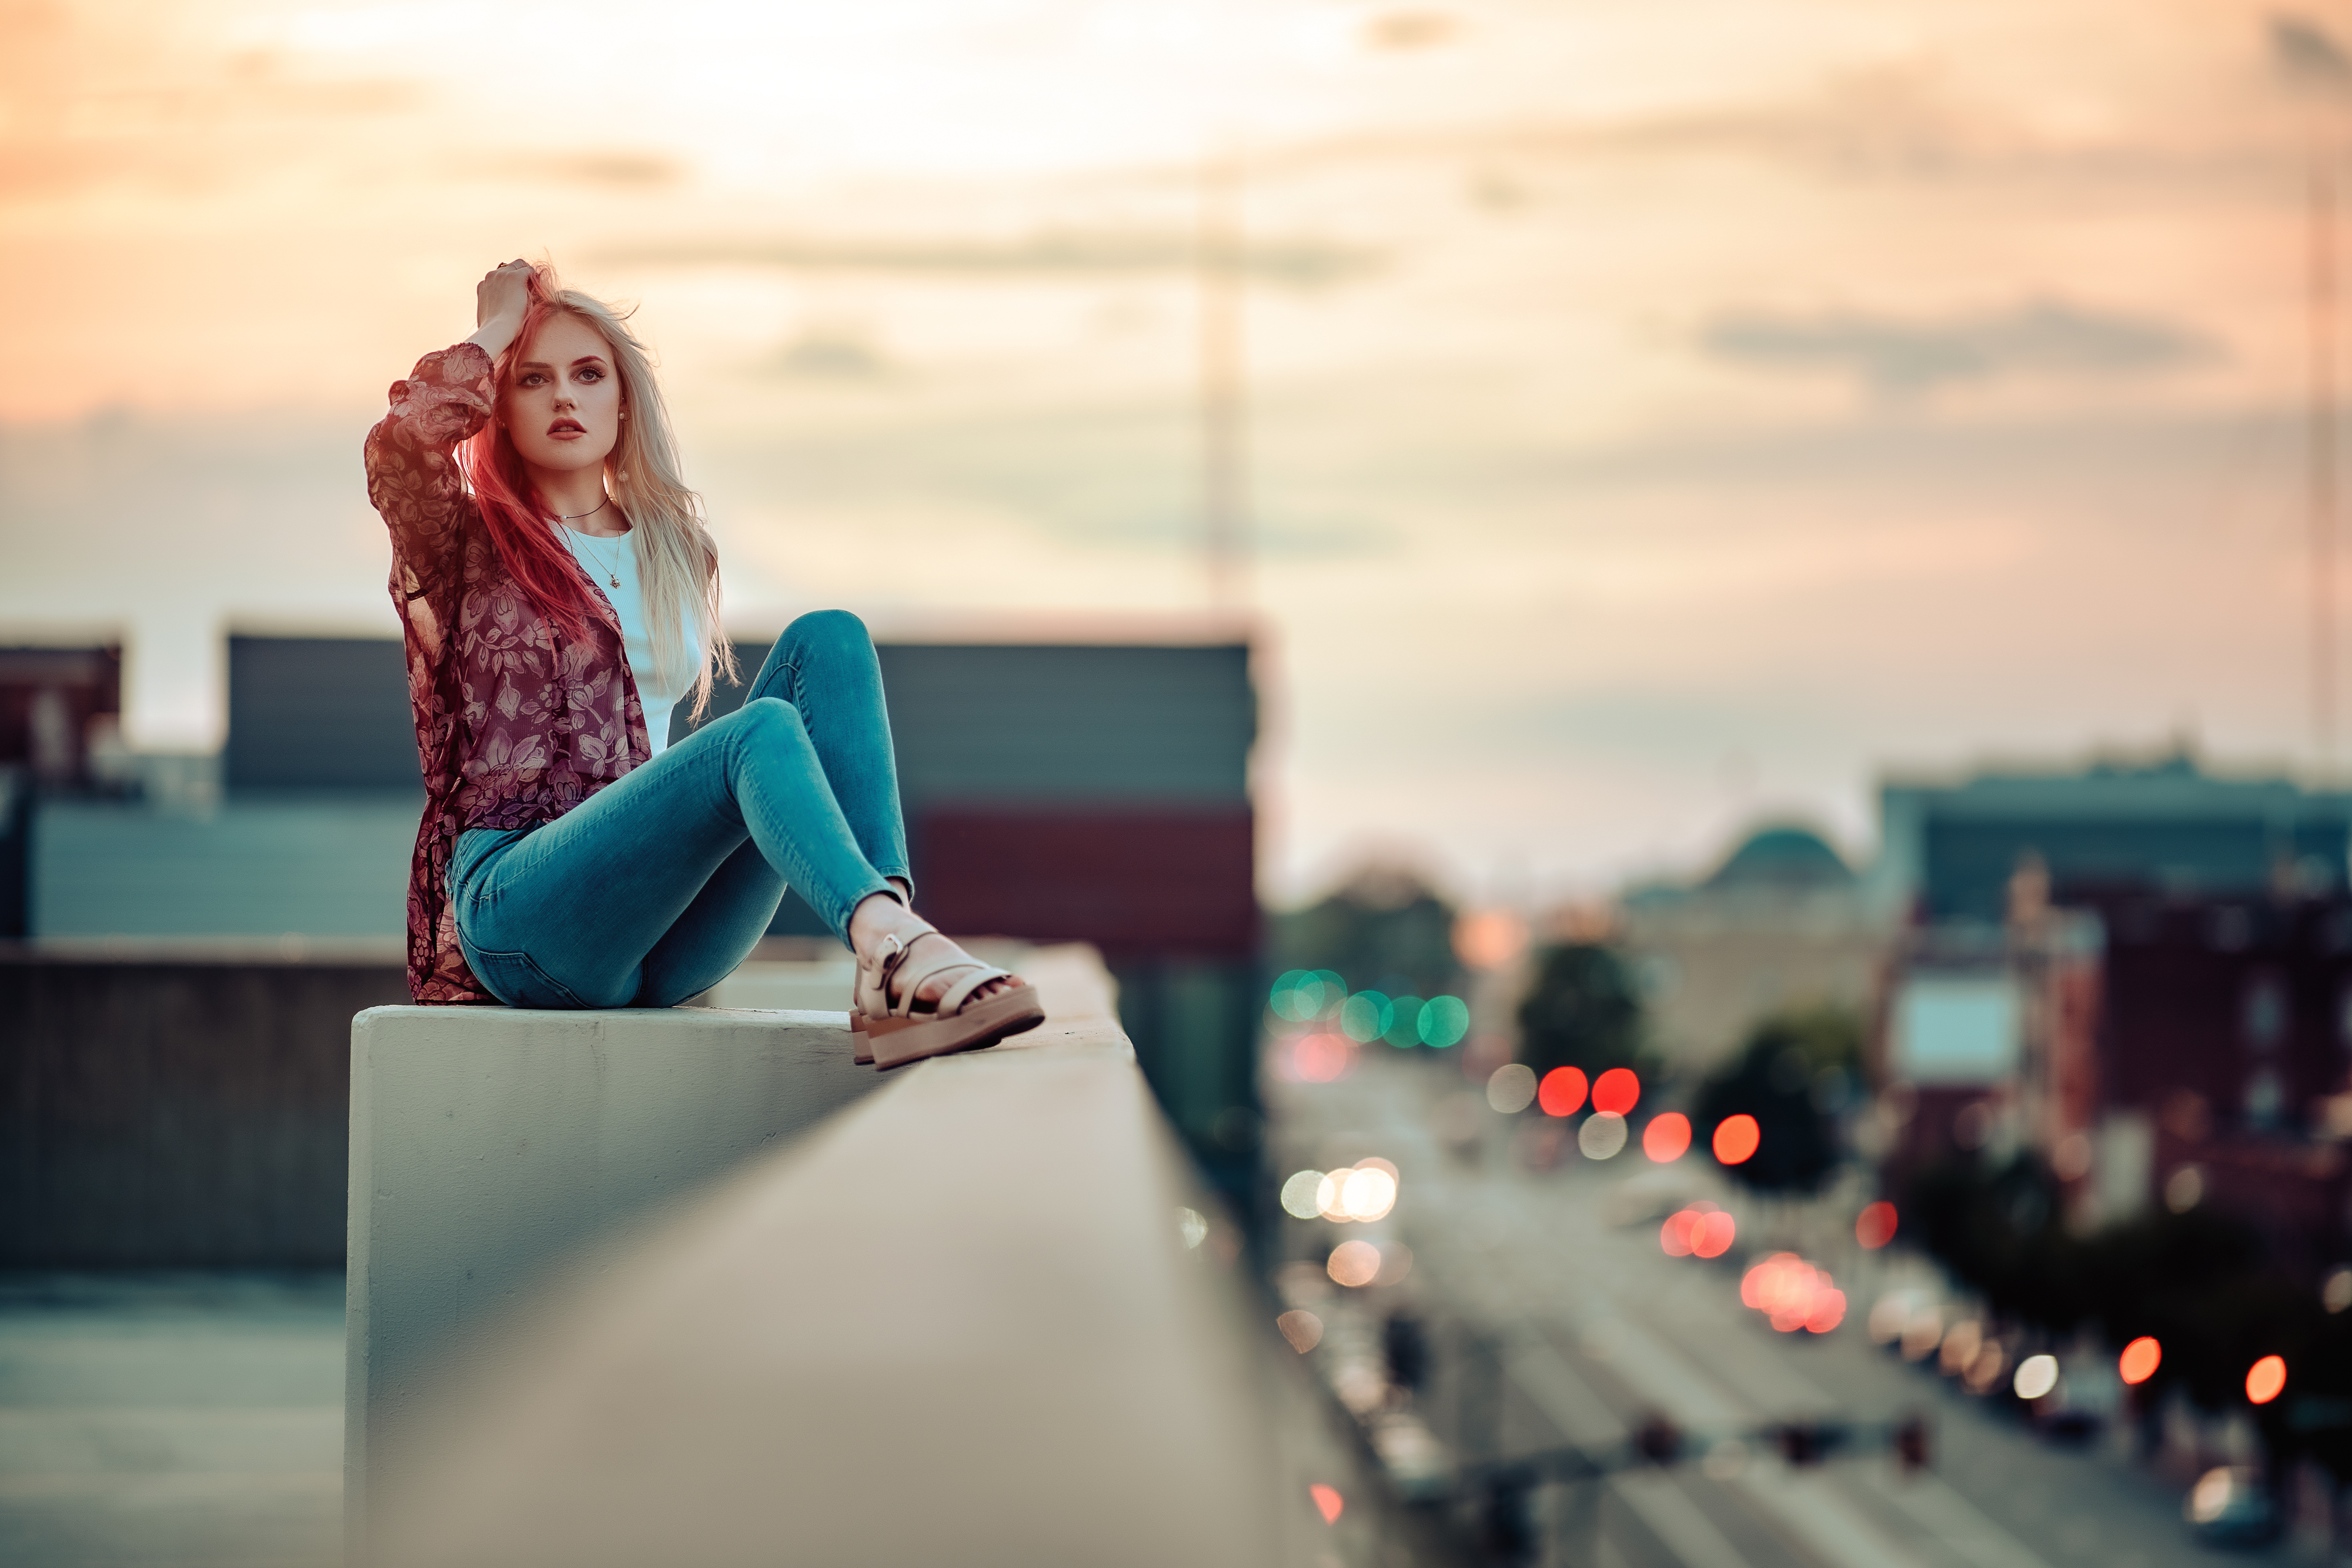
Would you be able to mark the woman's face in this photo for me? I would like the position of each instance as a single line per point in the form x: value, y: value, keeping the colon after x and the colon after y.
x: 563, y: 408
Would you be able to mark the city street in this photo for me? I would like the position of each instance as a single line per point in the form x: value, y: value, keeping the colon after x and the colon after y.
x: 1559, y: 1278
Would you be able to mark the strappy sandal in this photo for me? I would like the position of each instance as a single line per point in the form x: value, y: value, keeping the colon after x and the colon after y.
x: 896, y: 1033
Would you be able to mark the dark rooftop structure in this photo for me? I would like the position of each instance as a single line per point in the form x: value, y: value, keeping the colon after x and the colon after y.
x: 2162, y: 826
x: 1783, y: 858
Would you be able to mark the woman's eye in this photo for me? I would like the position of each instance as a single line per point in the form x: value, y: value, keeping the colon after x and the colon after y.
x: 529, y: 379
x: 592, y: 375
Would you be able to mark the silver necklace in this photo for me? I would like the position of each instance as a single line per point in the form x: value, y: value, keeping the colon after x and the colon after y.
x: 612, y: 568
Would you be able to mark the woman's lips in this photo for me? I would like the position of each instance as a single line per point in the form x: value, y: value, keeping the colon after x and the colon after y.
x: 563, y: 427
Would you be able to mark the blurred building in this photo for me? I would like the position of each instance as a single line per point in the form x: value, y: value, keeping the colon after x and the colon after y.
x: 1054, y: 792
x: 1950, y: 849
x: 300, y: 828
x: 60, y: 707
x: 1783, y: 923
x: 57, y: 706
x: 2142, y: 974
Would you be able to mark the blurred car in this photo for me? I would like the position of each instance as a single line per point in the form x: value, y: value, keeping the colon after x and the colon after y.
x: 2230, y: 1507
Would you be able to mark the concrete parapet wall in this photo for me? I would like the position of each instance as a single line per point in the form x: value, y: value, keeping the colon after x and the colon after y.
x: 492, y: 1149
x: 967, y: 1320
x: 170, y: 1109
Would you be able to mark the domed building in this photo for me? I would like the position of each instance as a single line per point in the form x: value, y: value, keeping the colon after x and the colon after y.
x: 1782, y: 922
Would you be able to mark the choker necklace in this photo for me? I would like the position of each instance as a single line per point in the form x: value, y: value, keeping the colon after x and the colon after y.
x: 612, y: 569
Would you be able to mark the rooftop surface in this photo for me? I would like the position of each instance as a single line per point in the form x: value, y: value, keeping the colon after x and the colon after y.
x: 180, y: 1419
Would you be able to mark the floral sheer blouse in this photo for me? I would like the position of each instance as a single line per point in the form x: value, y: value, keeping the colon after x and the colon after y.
x: 516, y: 722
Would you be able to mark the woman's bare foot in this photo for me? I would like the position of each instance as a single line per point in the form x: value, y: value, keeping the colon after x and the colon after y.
x: 880, y: 915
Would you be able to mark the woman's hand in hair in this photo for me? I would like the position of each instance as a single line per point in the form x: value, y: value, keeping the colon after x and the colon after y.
x: 501, y: 299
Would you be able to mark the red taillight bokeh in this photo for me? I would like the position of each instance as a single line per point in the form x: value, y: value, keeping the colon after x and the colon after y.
x: 1701, y: 1231
x: 1617, y: 1091
x: 1735, y: 1138
x: 2139, y: 1360
x: 1794, y: 1294
x: 1561, y: 1092
x: 1668, y: 1137
x: 1874, y: 1226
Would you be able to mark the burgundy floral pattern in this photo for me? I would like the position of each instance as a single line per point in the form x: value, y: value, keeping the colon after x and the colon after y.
x: 516, y: 722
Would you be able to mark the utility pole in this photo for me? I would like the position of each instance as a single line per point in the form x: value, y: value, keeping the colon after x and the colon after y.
x: 2311, y: 60
x: 1225, y: 475
x: 2321, y: 327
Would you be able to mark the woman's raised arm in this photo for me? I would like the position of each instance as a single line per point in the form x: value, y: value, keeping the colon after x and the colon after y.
x: 500, y: 300
x: 411, y: 469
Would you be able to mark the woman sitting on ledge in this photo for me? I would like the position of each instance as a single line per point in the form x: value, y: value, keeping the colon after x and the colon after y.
x: 560, y: 595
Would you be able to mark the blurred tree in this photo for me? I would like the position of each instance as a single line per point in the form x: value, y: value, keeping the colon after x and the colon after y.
x: 1793, y: 1075
x: 1583, y: 1010
x: 1384, y: 928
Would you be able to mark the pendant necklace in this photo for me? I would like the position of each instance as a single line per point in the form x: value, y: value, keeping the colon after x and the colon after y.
x: 612, y: 569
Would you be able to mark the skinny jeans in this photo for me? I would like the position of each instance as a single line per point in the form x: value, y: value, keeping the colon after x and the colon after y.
x: 657, y: 886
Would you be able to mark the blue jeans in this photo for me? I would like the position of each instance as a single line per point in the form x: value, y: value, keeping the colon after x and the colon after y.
x: 657, y: 886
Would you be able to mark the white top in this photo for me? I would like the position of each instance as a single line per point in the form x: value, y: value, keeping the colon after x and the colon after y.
x: 603, y: 559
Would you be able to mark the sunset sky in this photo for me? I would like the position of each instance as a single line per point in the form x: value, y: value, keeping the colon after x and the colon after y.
x: 1660, y: 415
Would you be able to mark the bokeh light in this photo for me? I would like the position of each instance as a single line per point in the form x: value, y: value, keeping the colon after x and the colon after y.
x: 1297, y: 995
x: 1511, y: 1087
x: 1563, y: 1091
x: 1302, y: 1329
x: 2139, y: 1360
x: 1369, y: 1194
x: 1330, y: 1193
x: 1874, y: 1226
x: 1366, y: 1016
x: 1982, y: 1374
x: 2335, y: 1290
x: 1602, y: 1137
x: 1735, y: 1139
x: 1404, y: 1022
x: 1675, y: 1235
x: 1443, y: 1021
x: 2036, y: 1376
x: 2266, y: 1379
x: 1321, y: 1058
x: 1298, y: 1198
x: 1923, y: 1333
x: 1794, y: 1294
x: 1354, y: 1264
x: 2211, y: 1498
x: 1668, y: 1137
x: 1192, y: 1226
x: 1489, y: 938
x: 1617, y: 1091
x: 1892, y: 1315
x: 1328, y: 1501
x: 1303, y: 994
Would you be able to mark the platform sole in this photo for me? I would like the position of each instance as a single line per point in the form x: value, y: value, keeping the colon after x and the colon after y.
x: 895, y: 1041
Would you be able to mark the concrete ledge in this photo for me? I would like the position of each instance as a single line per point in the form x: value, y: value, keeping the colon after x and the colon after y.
x: 965, y: 1322
x: 492, y: 1150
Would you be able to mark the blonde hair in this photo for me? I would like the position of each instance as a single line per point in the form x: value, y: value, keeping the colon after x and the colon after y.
x: 678, y: 561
